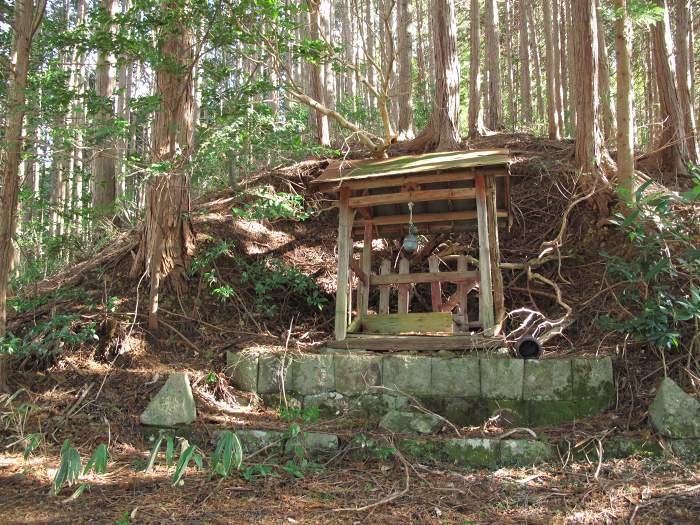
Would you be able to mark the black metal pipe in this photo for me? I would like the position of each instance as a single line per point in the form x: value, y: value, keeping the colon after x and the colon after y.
x: 528, y: 348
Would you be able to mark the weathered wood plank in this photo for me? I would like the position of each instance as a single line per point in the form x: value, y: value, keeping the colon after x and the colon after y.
x: 423, y: 278
x: 463, y: 293
x: 485, y: 282
x: 392, y: 182
x: 385, y: 220
x: 495, y: 254
x: 344, y: 252
x: 404, y: 289
x: 398, y: 343
x: 385, y: 269
x: 435, y: 288
x: 429, y: 323
x: 366, y: 269
x: 411, y: 196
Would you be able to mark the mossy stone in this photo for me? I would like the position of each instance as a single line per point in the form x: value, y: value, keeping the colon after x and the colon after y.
x: 272, y: 369
x: 312, y: 374
x: 456, y: 377
x: 254, y: 440
x: 476, y: 452
x: 547, y: 380
x: 310, y: 444
x: 620, y: 447
x: 357, y: 373
x: 242, y: 368
x: 407, y: 374
x: 330, y: 404
x: 501, y: 378
x: 513, y: 412
x: 673, y: 413
x: 410, y: 422
x: 461, y: 411
x: 524, y: 453
x: 593, y: 378
x: 546, y: 413
x: 686, y: 449
x: 423, y: 449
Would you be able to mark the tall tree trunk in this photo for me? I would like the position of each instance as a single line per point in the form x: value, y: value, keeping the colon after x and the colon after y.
x: 476, y: 126
x: 684, y: 69
x: 553, y: 122
x: 566, y: 102
x: 405, y: 120
x: 508, y: 35
x: 442, y: 130
x: 588, y: 137
x: 525, y: 82
x: 573, y: 85
x: 607, y: 109
x: 104, y: 172
x: 167, y: 240
x: 348, y: 52
x: 494, y: 111
x: 673, y: 145
x: 535, y: 54
x: 558, y: 95
x: 625, y: 99
x: 318, y: 81
x: 26, y: 19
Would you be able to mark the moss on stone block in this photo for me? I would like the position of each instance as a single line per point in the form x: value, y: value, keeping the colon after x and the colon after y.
x: 686, y: 449
x: 474, y: 452
x: 242, y: 368
x: 524, y: 453
x: 548, y: 379
x: 501, y: 378
x: 461, y: 411
x: 456, y: 377
x: 513, y: 412
x: 593, y: 378
x: 406, y: 373
x: 329, y: 404
x: 546, y: 413
x: 423, y: 449
x: 312, y: 374
x: 356, y: 373
x: 433, y: 403
x: 619, y: 447
x: 254, y: 440
x: 368, y: 406
x: 310, y: 444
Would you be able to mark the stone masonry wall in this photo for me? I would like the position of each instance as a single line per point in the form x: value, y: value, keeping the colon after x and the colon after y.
x: 466, y: 390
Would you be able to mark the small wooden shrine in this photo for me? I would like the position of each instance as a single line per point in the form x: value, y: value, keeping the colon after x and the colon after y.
x: 421, y: 195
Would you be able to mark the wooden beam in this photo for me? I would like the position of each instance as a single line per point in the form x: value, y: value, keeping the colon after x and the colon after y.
x: 404, y: 289
x: 344, y: 252
x: 416, y: 342
x: 463, y: 292
x: 435, y: 288
x: 366, y: 269
x: 362, y: 276
x: 389, y: 182
x: 411, y: 196
x: 427, y: 277
x: 495, y: 255
x: 384, y: 290
x: 430, y: 323
x: 485, y: 283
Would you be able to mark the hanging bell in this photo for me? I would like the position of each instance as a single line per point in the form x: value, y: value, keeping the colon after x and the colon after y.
x: 410, y: 243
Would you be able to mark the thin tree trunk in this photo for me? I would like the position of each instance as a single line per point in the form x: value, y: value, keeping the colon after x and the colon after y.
x: 566, y: 128
x: 26, y: 19
x: 507, y: 23
x: 318, y: 75
x: 573, y: 85
x: 494, y: 110
x: 476, y: 126
x: 552, y: 120
x: 607, y: 109
x: 625, y: 100
x: 684, y: 69
x: 524, y: 52
x: 167, y: 240
x: 405, y: 120
x: 673, y: 146
x: 535, y: 54
x: 104, y: 171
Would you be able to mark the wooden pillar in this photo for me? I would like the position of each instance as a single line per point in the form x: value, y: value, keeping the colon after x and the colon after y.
x: 435, y: 288
x: 344, y: 254
x: 366, y: 267
x: 485, y: 283
x: 384, y: 291
x: 495, y: 253
x: 463, y: 292
x: 404, y: 289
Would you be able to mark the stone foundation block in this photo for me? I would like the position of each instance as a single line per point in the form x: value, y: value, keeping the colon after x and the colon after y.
x: 330, y: 404
x: 456, y: 377
x: 409, y: 374
x: 243, y: 370
x: 312, y: 444
x: 254, y: 440
x: 356, y: 374
x: 547, y: 379
x: 410, y: 422
x: 479, y: 452
x: 501, y: 378
x: 511, y: 412
x: 524, y: 453
x: 546, y: 413
x: 271, y: 371
x: 312, y: 374
x: 593, y: 378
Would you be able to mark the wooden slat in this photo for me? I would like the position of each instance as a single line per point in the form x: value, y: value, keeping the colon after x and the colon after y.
x: 362, y: 276
x: 366, y: 268
x: 485, y: 283
x: 463, y: 292
x: 355, y: 326
x: 430, y: 323
x: 495, y: 254
x: 344, y: 252
x: 411, y: 196
x: 384, y: 220
x: 421, y: 278
x: 404, y: 289
x: 435, y: 288
x: 384, y: 291
x: 416, y: 342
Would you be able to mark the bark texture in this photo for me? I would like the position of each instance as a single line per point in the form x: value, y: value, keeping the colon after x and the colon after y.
x: 625, y: 99
x: 476, y: 126
x: 405, y: 51
x: 494, y: 110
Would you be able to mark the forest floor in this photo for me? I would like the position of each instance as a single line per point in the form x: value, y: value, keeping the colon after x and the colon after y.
x: 95, y: 392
